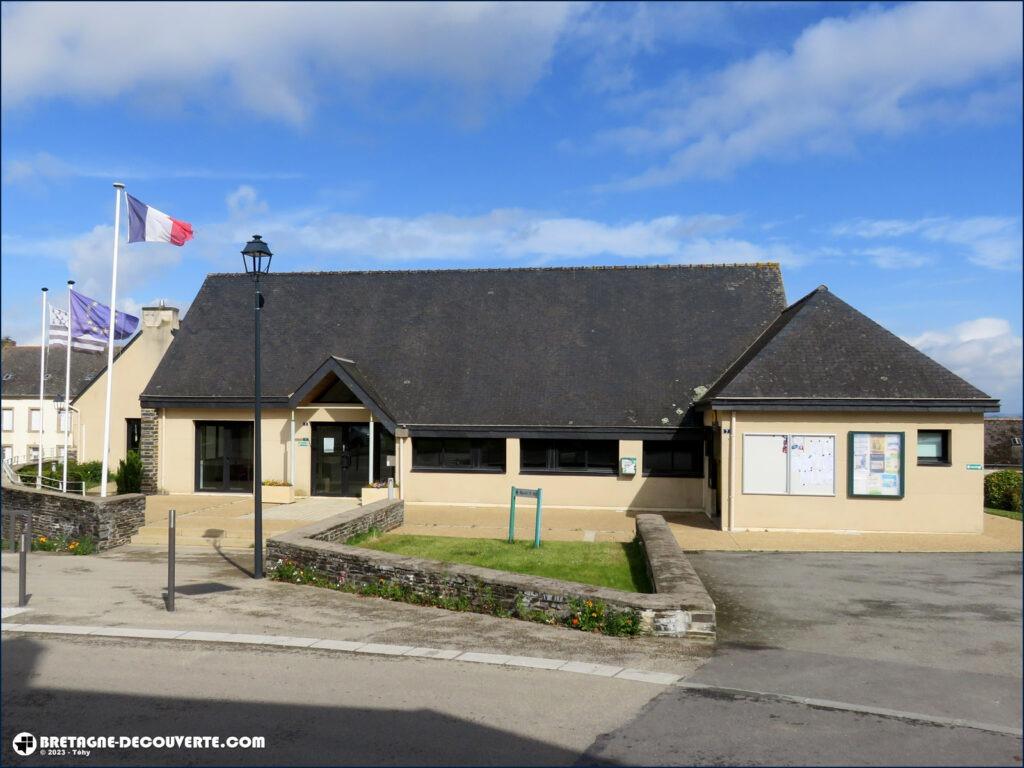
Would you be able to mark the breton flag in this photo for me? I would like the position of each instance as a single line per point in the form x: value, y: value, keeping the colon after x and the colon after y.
x: 59, y: 333
x: 90, y: 324
x: 147, y: 224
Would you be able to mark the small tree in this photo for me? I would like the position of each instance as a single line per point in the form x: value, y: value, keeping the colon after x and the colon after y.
x: 129, y: 474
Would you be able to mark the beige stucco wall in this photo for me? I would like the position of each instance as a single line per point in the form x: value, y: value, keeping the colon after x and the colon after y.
x: 603, y: 492
x: 178, y: 442
x: 133, y: 369
x: 936, y: 499
x: 177, y: 471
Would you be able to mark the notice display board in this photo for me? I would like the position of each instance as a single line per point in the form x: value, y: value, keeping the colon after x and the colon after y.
x: 812, y: 465
x: 782, y: 464
x: 876, y: 464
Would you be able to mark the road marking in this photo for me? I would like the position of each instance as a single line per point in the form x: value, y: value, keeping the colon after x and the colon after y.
x: 351, y: 646
x: 6, y: 613
x: 845, y: 706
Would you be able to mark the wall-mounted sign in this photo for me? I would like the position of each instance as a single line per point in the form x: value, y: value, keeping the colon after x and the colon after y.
x: 328, y: 445
x: 302, y: 442
x: 389, y: 460
x: 974, y: 466
x: 627, y: 465
x: 876, y: 464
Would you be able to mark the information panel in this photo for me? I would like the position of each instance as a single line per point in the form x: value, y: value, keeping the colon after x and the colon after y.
x: 764, y: 463
x: 812, y: 465
x: 876, y: 464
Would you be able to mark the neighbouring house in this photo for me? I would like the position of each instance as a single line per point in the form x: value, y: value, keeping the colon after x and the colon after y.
x: 676, y: 388
x: 134, y: 364
x: 22, y: 412
x: 1003, y: 442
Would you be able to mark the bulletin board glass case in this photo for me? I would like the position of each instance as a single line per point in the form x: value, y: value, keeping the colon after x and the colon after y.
x: 876, y: 464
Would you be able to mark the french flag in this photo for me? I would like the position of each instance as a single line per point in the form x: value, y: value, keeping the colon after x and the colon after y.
x: 148, y: 225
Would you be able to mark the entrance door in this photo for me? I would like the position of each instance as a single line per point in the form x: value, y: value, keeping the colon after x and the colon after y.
x: 341, y: 456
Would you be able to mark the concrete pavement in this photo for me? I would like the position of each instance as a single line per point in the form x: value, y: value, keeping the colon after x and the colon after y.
x: 125, y: 587
x: 938, y: 635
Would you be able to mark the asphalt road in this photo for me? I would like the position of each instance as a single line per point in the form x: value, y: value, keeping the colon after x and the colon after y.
x: 925, y: 636
x: 932, y: 635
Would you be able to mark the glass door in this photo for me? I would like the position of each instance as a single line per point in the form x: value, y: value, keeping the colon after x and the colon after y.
x: 224, y: 451
x: 341, y: 456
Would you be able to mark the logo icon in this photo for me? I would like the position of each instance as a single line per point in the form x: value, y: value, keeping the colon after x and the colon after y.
x: 24, y: 744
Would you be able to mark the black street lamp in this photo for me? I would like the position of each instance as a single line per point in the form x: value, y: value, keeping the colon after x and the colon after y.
x: 256, y: 258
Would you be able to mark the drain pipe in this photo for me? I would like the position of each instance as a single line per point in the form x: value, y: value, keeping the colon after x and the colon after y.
x: 732, y: 465
x: 291, y: 452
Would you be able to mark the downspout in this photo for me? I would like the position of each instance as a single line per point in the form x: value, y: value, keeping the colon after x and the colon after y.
x: 291, y: 451
x: 160, y: 438
x: 370, y: 471
x: 732, y: 466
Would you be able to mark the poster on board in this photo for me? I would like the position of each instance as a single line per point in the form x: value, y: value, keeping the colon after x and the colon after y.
x: 876, y: 464
x: 812, y: 465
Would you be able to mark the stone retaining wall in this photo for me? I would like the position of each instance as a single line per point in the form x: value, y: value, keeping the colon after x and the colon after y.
x: 110, y: 522
x: 681, y: 612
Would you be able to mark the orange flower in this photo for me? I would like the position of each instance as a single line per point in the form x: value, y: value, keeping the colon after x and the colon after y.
x: 575, y: 620
x: 42, y: 539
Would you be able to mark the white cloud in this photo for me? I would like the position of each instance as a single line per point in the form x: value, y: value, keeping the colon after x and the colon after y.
x: 89, y: 257
x: 985, y: 352
x: 275, y: 59
x: 987, y: 241
x: 891, y: 257
x: 883, y: 71
x: 42, y: 167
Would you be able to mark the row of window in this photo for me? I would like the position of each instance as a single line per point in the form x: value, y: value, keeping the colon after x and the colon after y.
x: 661, y: 458
x: 33, y: 420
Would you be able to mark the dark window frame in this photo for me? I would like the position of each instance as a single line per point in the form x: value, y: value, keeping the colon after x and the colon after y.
x: 697, y: 446
x: 945, y: 460
x: 475, y: 466
x: 197, y: 456
x: 553, y: 467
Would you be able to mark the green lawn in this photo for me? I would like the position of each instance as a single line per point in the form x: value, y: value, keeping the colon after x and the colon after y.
x: 604, y: 564
x: 1004, y: 513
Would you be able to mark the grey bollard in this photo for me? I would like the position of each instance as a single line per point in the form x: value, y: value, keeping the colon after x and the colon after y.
x: 26, y: 542
x: 391, y: 488
x: 171, y: 530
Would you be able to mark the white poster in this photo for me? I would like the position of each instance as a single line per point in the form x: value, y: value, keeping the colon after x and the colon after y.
x: 812, y: 465
x: 328, y: 445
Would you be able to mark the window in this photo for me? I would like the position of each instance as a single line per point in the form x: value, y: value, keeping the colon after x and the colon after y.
x: 133, y: 428
x: 8, y: 419
x: 458, y: 454
x: 33, y: 452
x: 224, y: 456
x: 62, y: 418
x: 595, y: 457
x: 933, y: 448
x: 674, y: 458
x: 33, y: 420
x: 8, y: 452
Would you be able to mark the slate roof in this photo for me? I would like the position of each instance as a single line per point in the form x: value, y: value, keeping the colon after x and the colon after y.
x: 999, y: 448
x: 821, y: 352
x: 620, y: 347
x: 19, y: 371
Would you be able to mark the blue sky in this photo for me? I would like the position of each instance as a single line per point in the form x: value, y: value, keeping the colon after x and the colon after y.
x: 874, y: 148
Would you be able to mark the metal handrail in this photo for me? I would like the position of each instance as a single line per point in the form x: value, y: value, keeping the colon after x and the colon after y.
x: 15, y: 475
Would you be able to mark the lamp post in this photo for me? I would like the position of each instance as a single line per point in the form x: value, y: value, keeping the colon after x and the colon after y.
x: 256, y: 258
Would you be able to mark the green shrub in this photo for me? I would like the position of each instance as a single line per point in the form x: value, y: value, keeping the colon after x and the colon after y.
x: 1003, y: 490
x: 129, y: 474
x: 90, y: 471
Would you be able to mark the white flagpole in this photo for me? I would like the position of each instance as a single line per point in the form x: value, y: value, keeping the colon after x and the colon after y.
x: 67, y: 394
x: 118, y: 186
x: 42, y: 380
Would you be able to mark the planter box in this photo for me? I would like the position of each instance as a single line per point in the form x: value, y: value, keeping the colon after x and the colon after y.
x: 371, y: 495
x: 278, y: 494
